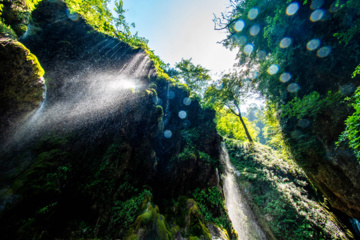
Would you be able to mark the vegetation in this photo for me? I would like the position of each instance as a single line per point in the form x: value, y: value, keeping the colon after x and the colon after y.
x: 228, y: 125
x: 281, y: 194
x: 210, y: 201
x: 352, y: 132
x: 231, y: 91
x: 195, y: 77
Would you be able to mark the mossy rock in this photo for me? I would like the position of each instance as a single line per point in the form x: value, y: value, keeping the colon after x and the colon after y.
x: 150, y: 225
x: 22, y: 85
x: 195, y: 223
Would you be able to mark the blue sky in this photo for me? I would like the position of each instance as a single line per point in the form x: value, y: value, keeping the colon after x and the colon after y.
x: 182, y: 29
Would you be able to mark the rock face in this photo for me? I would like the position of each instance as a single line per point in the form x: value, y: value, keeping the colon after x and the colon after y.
x: 107, y: 145
x: 333, y: 170
x: 21, y: 85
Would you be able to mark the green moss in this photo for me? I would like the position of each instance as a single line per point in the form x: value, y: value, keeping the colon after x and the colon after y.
x: 196, y: 222
x: 7, y: 30
x: 150, y: 225
x: 38, y: 69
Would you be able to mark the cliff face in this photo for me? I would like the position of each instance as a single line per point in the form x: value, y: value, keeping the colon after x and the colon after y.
x: 21, y: 85
x: 332, y: 168
x: 110, y: 141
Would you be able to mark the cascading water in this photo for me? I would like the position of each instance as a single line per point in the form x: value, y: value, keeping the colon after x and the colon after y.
x: 86, y: 98
x: 240, y: 213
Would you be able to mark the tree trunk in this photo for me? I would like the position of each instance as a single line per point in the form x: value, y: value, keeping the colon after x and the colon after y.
x: 242, y: 121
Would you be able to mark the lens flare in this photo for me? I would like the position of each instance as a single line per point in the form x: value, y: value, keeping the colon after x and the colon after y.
x: 254, y: 30
x: 273, y: 69
x: 293, y: 87
x: 236, y: 88
x: 72, y: 16
x: 239, y: 25
x: 292, y: 8
x: 187, y: 101
x: 242, y: 40
x: 317, y: 15
x: 261, y: 55
x: 285, y: 42
x: 324, y: 52
x: 253, y: 13
x: 167, y: 133
x: 253, y: 75
x: 182, y: 114
x: 313, y: 44
x: 171, y: 95
x: 285, y: 77
x: 249, y: 48
x: 304, y: 123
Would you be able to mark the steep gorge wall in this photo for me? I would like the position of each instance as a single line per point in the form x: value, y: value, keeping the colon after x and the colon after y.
x: 93, y: 160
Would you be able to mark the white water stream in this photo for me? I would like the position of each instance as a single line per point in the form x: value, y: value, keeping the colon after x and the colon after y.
x: 240, y: 213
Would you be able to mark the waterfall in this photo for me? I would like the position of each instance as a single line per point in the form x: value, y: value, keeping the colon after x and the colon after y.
x: 88, y: 97
x: 240, y: 213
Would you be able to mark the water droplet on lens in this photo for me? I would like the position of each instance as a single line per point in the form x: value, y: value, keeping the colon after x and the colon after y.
x: 171, y: 95
x: 182, y: 114
x: 273, y: 69
x: 285, y: 42
x: 315, y: 4
x: 293, y: 87
x: 167, y: 134
x: 187, y: 101
x: 317, y: 15
x: 242, y: 40
x: 187, y: 123
x: 253, y: 75
x: 313, y: 44
x: 323, y: 52
x: 219, y: 86
x: 304, y: 123
x: 296, y: 134
x: 254, y: 30
x: 236, y: 88
x: 261, y: 55
x: 292, y: 8
x: 245, y: 82
x: 285, y: 77
x: 72, y: 16
x: 155, y: 100
x: 239, y: 25
x: 249, y: 48
x: 253, y: 13
x: 347, y: 89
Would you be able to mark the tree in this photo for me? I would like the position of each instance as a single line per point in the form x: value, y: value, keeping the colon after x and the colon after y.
x: 231, y: 91
x: 228, y: 125
x: 195, y: 76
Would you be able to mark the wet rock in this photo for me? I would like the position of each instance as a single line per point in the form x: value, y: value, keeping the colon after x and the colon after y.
x: 21, y: 86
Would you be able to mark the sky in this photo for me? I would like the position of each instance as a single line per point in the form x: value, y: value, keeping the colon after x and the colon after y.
x: 179, y: 29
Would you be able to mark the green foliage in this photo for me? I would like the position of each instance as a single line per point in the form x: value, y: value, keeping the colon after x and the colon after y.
x: 229, y: 93
x: 273, y: 132
x: 310, y: 105
x: 281, y: 194
x: 7, y: 30
x: 352, y: 130
x: 125, y: 212
x: 195, y: 76
x: 31, y: 4
x: 210, y: 201
x: 229, y: 125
